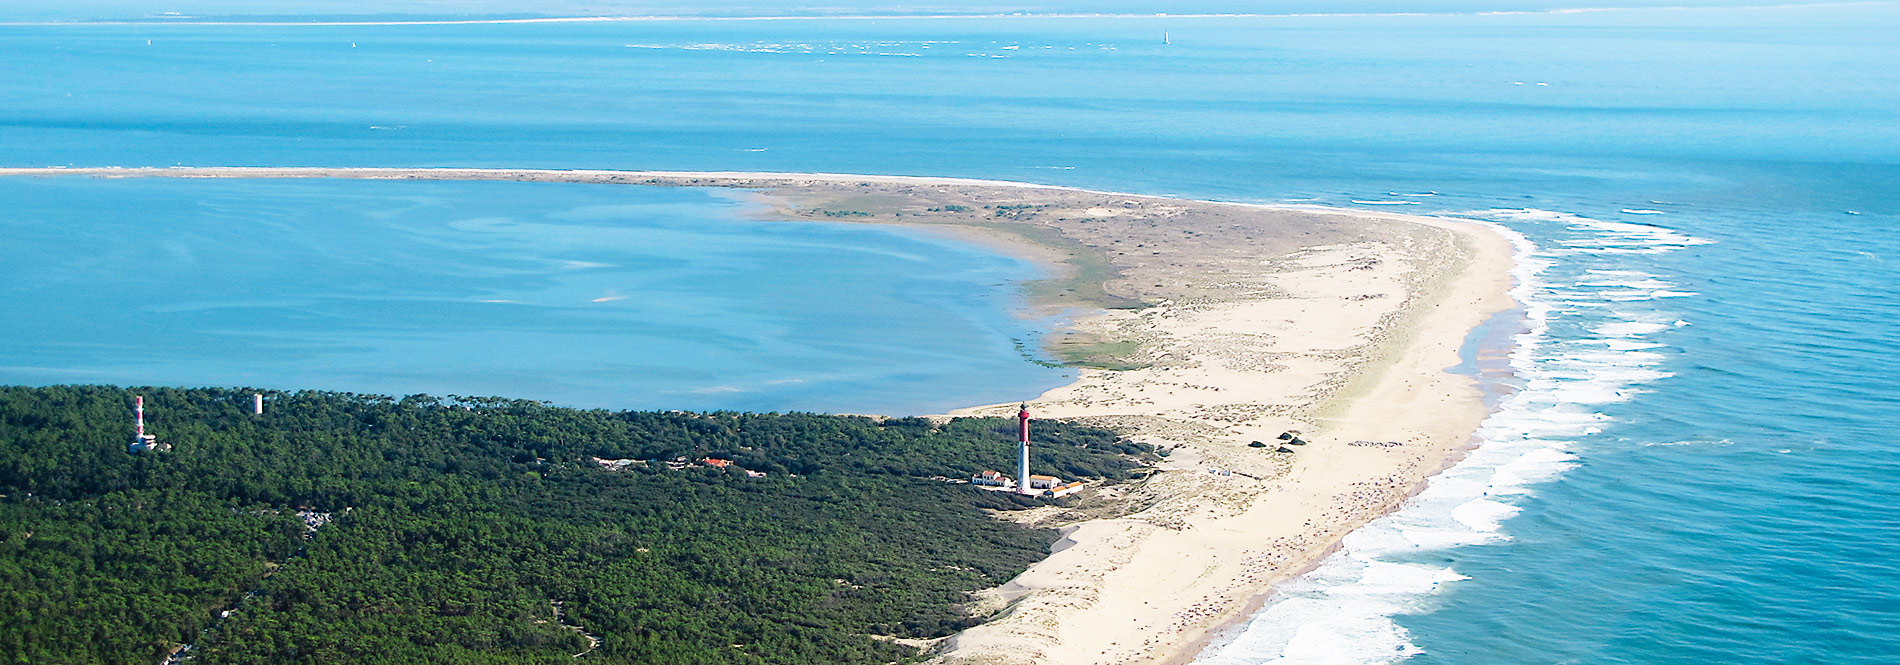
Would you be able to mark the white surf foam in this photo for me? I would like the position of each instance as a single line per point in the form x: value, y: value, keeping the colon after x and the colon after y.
x: 1610, y: 237
x: 1343, y: 611
x: 878, y: 48
x: 1699, y: 442
x: 1629, y: 328
x: 1645, y: 282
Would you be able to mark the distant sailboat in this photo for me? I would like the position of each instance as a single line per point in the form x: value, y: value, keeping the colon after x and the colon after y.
x: 1165, y: 40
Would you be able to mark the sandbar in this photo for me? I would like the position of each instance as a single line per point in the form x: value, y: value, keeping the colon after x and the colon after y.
x: 1201, y: 327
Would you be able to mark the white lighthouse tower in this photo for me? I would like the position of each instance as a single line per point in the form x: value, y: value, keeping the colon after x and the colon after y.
x: 1022, y: 452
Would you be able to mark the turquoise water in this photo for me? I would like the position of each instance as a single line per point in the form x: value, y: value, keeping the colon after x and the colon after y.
x: 1695, y: 466
x: 582, y: 295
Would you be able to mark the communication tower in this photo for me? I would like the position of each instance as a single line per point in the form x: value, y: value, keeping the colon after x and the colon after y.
x: 142, y: 442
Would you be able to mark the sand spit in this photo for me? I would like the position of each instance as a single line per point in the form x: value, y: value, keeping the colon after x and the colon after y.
x: 1202, y: 327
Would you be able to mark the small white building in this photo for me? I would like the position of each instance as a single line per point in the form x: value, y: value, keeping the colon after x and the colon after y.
x: 1060, y: 491
x: 618, y: 464
x: 992, y: 479
x: 146, y: 443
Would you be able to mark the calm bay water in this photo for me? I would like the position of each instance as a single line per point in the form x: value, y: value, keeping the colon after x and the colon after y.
x: 584, y: 295
x: 1695, y: 466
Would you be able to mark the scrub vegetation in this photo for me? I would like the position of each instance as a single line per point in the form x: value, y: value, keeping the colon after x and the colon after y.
x: 344, y: 528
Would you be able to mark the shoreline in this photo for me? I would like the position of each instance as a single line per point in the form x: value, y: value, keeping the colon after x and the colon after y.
x: 1260, y: 319
x: 1491, y: 340
x: 1216, y: 616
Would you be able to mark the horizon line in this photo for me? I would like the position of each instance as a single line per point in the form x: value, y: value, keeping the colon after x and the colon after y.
x: 230, y: 22
x: 346, y: 172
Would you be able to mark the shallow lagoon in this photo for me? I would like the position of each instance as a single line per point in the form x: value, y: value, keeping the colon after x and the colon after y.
x: 1734, y: 506
x: 585, y: 295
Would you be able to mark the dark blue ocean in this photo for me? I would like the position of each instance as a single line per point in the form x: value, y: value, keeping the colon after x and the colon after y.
x: 1694, y: 462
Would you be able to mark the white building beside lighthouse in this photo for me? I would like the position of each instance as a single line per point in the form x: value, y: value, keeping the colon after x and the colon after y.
x: 1024, y: 483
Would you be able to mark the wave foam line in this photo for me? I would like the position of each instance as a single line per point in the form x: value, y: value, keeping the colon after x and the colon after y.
x: 1343, y: 611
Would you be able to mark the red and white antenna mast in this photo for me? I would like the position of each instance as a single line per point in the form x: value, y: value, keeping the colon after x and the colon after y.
x: 142, y: 442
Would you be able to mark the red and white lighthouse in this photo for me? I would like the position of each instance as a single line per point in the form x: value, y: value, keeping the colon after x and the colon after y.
x: 1022, y: 452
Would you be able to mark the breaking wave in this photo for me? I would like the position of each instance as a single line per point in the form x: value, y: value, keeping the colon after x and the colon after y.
x: 1344, y: 610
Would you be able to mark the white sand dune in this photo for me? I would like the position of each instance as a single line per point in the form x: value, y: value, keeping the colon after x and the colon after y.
x: 1255, y: 320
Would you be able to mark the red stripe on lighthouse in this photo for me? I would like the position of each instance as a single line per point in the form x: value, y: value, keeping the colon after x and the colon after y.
x: 1023, y: 417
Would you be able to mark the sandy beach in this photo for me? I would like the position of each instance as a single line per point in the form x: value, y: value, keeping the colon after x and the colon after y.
x: 1200, y: 327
